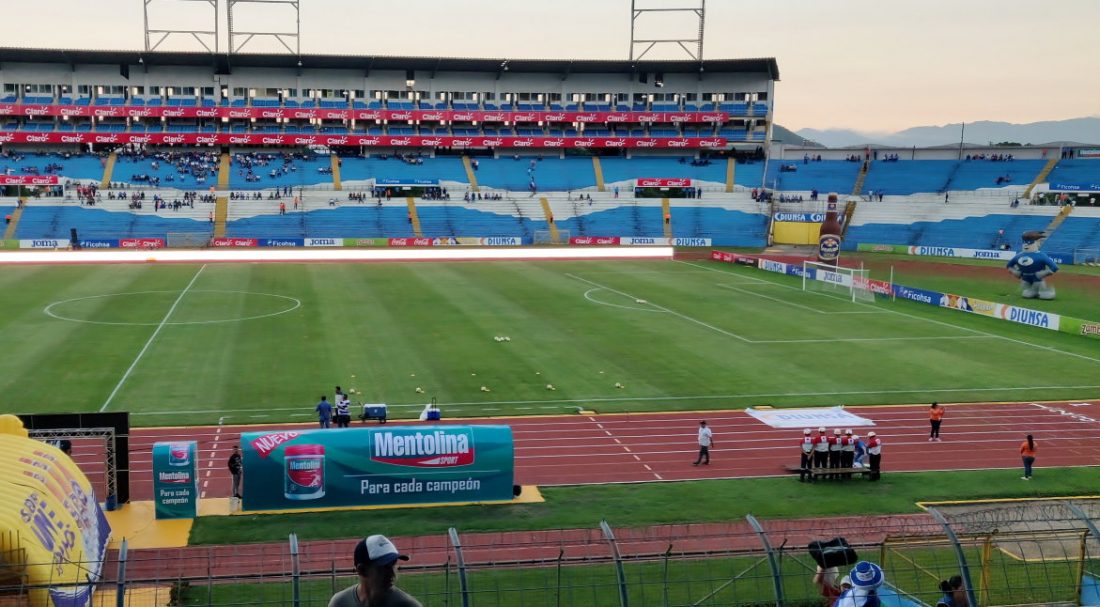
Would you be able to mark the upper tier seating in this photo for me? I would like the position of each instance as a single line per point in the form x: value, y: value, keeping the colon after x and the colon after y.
x: 909, y: 177
x: 621, y: 169
x: 825, y: 176
x: 361, y: 169
x: 1076, y: 171
x: 977, y: 174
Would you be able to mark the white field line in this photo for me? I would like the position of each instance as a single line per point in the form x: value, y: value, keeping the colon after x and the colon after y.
x: 790, y: 303
x: 663, y: 309
x: 152, y: 337
x: 929, y: 320
x: 866, y: 339
x: 568, y: 401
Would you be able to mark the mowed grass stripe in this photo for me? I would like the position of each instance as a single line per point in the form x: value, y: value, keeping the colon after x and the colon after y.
x: 384, y: 322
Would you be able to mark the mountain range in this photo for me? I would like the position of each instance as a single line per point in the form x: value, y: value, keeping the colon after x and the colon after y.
x: 1074, y: 131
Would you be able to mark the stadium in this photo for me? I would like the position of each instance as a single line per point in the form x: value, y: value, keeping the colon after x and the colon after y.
x: 532, y: 280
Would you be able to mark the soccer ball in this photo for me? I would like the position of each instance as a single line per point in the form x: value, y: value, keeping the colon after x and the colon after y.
x: 419, y: 390
x: 550, y: 387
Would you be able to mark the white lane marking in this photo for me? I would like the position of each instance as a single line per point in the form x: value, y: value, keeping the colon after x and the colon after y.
x: 148, y: 343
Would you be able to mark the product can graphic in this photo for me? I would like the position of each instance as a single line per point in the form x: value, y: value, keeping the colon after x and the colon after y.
x: 305, y: 472
x: 179, y: 454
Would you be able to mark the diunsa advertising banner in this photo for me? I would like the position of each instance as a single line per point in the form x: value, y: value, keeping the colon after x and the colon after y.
x: 387, y: 465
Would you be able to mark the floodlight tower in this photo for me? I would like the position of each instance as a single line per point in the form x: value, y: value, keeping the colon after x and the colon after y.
x: 699, y: 11
x: 291, y: 40
x: 207, y: 38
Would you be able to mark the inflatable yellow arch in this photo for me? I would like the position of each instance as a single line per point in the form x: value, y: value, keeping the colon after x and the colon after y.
x: 53, y: 534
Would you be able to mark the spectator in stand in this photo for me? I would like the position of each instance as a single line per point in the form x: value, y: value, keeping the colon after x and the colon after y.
x: 375, y: 561
x: 954, y: 594
x: 827, y: 583
x: 866, y: 578
x: 1027, y: 451
x: 935, y: 418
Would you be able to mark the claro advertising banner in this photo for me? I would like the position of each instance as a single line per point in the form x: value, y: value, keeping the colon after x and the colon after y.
x: 423, y: 115
x: 398, y: 141
x: 377, y: 466
x: 176, y: 479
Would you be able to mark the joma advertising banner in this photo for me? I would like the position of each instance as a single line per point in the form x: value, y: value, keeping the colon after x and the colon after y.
x: 176, y: 479
x: 376, y: 466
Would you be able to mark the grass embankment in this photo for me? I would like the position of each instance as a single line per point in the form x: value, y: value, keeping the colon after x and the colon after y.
x: 661, y: 503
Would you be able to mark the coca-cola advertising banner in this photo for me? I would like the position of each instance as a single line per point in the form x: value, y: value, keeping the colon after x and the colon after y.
x: 594, y: 240
x: 367, y: 140
x: 15, y: 109
x: 664, y: 183
x: 28, y: 180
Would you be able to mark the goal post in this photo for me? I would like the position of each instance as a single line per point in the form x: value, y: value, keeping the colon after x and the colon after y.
x: 1086, y: 257
x: 187, y: 240
x: 840, y: 282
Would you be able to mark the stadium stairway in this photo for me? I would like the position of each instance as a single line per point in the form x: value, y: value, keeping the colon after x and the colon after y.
x: 16, y: 215
x: 225, y: 171
x: 335, y: 160
x: 849, y: 212
x: 221, y: 215
x: 555, y: 237
x: 731, y: 166
x: 1058, y: 220
x: 108, y: 170
x: 1051, y: 163
x: 666, y: 215
x: 470, y: 176
x: 857, y: 189
x: 414, y: 217
x: 597, y: 168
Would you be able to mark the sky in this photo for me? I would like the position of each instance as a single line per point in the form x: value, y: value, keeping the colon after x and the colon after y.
x: 870, y: 65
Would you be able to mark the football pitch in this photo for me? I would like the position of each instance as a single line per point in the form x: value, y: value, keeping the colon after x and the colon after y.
x: 244, y: 343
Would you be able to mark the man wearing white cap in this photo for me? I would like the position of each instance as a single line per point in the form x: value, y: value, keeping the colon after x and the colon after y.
x: 835, y: 447
x: 848, y: 452
x: 866, y: 578
x: 821, y: 449
x: 874, y: 451
x: 807, y: 449
x: 376, y: 564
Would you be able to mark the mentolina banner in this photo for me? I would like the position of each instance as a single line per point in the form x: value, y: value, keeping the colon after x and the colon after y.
x: 377, y: 466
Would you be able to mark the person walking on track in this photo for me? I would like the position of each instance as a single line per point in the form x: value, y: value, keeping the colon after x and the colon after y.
x: 807, y: 448
x: 1027, y: 451
x: 706, y: 441
x: 935, y: 418
x: 234, y: 465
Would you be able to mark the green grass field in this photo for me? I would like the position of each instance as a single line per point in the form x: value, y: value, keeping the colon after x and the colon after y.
x: 186, y: 344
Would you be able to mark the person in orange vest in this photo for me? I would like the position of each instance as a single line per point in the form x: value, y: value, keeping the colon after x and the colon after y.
x: 7, y: 219
x: 1027, y: 451
x: 935, y: 418
x: 282, y: 208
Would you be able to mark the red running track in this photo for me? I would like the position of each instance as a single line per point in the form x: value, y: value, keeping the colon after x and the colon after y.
x: 654, y: 447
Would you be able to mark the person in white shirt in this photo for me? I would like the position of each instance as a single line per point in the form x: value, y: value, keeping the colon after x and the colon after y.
x: 706, y: 441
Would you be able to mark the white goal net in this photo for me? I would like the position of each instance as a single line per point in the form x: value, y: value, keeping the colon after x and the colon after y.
x: 1086, y: 257
x: 846, y: 283
x: 545, y: 237
x: 180, y: 240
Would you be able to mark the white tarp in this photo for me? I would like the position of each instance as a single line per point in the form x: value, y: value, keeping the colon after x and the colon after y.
x: 830, y: 417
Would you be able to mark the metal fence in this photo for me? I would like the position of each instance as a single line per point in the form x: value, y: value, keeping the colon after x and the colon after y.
x: 1030, y: 553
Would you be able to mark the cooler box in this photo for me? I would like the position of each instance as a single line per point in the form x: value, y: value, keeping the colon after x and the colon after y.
x: 374, y: 412
x: 434, y: 415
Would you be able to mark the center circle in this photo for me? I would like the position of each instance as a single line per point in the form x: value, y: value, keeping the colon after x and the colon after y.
x: 57, y: 308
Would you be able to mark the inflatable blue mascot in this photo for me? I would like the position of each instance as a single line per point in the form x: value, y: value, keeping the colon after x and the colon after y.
x: 1032, y: 267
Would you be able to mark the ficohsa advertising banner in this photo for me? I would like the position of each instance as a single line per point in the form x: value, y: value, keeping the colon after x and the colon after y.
x: 387, y: 465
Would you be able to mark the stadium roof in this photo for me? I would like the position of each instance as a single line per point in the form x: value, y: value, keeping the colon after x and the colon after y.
x: 223, y: 63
